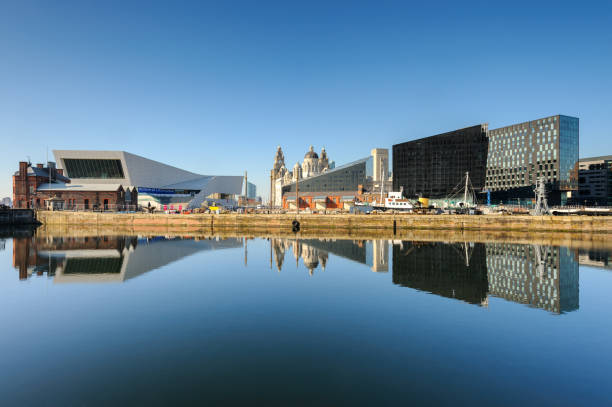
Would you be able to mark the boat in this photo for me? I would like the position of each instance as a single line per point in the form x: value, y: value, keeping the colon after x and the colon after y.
x: 395, y: 201
x: 462, y: 199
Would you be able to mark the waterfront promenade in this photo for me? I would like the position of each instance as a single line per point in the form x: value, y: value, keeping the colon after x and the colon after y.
x: 391, y: 224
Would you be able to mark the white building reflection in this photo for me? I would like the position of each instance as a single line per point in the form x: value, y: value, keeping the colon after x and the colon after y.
x: 314, y: 253
x: 105, y: 259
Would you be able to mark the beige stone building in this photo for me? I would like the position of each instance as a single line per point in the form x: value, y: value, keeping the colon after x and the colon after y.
x: 313, y: 164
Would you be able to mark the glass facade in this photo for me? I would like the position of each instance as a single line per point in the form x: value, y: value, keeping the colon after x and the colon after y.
x: 93, y: 168
x: 595, y: 181
x: 568, y: 153
x: 521, y: 153
x: 345, y: 178
x: 434, y: 166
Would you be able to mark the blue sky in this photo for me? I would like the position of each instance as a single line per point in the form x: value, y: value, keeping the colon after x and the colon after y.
x: 214, y: 87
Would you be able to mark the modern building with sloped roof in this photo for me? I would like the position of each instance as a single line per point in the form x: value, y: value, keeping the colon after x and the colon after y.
x: 158, y: 185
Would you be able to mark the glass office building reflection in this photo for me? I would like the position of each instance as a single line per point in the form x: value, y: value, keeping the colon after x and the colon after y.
x: 543, y: 277
x: 449, y: 270
x: 540, y: 276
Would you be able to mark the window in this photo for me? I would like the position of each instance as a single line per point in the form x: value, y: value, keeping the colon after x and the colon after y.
x: 93, y: 168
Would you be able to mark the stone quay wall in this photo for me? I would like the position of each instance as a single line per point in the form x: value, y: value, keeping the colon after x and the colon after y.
x: 17, y: 217
x: 310, y: 222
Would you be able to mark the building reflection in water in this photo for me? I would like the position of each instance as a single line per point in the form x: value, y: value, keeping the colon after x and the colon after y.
x: 595, y: 258
x: 542, y: 277
x: 450, y: 270
x: 103, y: 258
x: 315, y: 252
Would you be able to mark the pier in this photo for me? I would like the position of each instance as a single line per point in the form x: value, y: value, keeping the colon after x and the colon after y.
x: 393, y: 223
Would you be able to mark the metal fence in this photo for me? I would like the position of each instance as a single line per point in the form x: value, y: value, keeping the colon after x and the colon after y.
x: 94, y: 208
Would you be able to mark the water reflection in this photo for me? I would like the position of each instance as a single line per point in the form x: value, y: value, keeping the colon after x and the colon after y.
x: 103, y: 258
x: 544, y: 277
x: 595, y: 258
x: 538, y: 276
x: 450, y: 270
x: 315, y: 252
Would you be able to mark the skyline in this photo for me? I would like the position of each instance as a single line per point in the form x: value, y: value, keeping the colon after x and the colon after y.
x: 213, y: 89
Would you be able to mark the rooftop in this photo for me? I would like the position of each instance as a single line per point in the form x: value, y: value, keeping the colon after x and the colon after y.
x: 598, y: 158
x: 340, y: 168
x: 43, y: 172
x: 60, y: 186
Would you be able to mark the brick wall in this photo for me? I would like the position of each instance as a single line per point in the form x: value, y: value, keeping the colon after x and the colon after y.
x: 25, y: 187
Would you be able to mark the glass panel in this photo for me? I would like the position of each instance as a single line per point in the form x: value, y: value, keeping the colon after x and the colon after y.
x: 93, y: 168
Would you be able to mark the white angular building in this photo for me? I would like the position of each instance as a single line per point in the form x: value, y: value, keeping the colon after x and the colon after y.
x: 159, y: 185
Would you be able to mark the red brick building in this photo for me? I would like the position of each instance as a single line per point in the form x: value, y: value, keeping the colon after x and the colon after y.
x: 85, y: 197
x: 47, y: 188
x: 28, y: 179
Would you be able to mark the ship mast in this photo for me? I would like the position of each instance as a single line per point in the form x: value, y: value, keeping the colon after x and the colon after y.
x: 467, y: 178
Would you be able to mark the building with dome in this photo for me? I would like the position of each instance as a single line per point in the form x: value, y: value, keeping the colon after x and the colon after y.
x: 323, y: 186
x: 313, y: 165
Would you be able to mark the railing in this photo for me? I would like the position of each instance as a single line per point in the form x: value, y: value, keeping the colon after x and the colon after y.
x: 580, y: 207
x: 93, y: 208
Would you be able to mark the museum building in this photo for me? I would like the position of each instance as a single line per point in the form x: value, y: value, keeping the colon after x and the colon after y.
x: 117, y: 180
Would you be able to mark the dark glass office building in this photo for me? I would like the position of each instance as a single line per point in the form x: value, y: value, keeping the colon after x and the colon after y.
x: 432, y: 167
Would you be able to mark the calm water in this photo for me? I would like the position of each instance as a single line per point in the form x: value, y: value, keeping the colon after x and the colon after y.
x: 162, y: 321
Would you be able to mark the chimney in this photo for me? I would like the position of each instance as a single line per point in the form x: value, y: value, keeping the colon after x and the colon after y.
x: 23, y: 168
x: 39, y: 166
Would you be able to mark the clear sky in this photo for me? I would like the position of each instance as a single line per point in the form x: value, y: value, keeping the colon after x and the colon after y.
x: 214, y: 87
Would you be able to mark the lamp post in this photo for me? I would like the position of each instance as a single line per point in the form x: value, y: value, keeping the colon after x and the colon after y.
x: 297, y: 194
